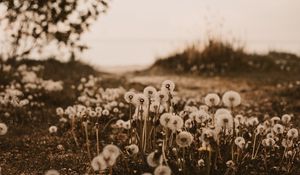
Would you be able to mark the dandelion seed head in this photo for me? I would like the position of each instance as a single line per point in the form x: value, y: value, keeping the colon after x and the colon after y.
x: 175, y: 123
x: 52, y: 129
x: 230, y: 164
x: 168, y: 86
x: 224, y: 121
x: 165, y: 119
x: 162, y: 170
x: 105, y: 112
x: 287, y: 143
x: 201, y: 163
x: 153, y: 159
x: 184, y: 139
x: 3, y: 128
x: 132, y: 149
x: 161, y: 97
x: 278, y: 128
x: 260, y: 129
x: 231, y: 99
x: 286, y: 118
x: 240, y: 142
x: 293, y: 133
x: 52, y: 172
x: 98, y: 163
x: 111, y: 150
x: 252, y: 121
x: 222, y: 111
x: 140, y: 100
x: 150, y: 91
x: 129, y: 96
x: 275, y: 120
x: 127, y: 125
x: 188, y: 123
x: 268, y: 142
x: 212, y: 100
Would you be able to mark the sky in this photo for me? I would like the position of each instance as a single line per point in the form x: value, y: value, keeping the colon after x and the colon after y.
x: 136, y: 32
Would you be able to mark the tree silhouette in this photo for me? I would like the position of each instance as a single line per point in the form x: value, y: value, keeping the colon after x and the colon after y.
x: 30, y: 25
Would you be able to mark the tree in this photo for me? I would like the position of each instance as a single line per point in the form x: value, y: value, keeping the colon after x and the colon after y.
x: 30, y: 25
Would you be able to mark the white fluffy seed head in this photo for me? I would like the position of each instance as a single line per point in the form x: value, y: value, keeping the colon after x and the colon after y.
x: 231, y: 99
x: 3, y: 128
x: 52, y: 172
x: 52, y: 129
x: 184, y: 139
x: 162, y: 170
x: 212, y: 99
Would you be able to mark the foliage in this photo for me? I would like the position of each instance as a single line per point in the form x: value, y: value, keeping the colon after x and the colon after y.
x: 31, y: 25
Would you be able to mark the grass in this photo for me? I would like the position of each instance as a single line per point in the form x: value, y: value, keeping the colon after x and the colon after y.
x: 220, y: 58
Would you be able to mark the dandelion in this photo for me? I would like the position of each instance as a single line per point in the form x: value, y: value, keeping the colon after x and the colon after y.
x: 184, y: 139
x: 286, y: 118
x: 150, y: 92
x: 252, y: 121
x: 175, y: 123
x: 165, y: 119
x: 98, y: 163
x: 162, y: 170
x: 111, y: 150
x: 52, y: 172
x: 92, y: 114
x: 268, y: 142
x: 153, y: 159
x: 52, y: 129
x: 168, y: 85
x: 201, y: 163
x: 240, y: 142
x: 199, y: 116
x: 222, y: 111
x: 278, y: 128
x: 292, y: 133
x: 239, y: 120
x: 132, y: 149
x: 105, y: 112
x: 287, y: 143
x: 224, y: 121
x: 212, y: 100
x: 156, y: 107
x: 127, y: 125
x: 188, y: 123
x: 140, y: 100
x: 230, y: 164
x: 129, y: 96
x: 207, y: 134
x: 231, y: 99
x: 260, y: 129
x: 120, y: 123
x: 59, y: 111
x: 275, y: 120
x: 3, y: 128
x: 161, y: 97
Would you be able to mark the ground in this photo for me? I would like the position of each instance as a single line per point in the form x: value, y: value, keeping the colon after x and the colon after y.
x: 28, y: 148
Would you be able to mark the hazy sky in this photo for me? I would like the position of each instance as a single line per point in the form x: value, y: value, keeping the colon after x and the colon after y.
x: 136, y: 32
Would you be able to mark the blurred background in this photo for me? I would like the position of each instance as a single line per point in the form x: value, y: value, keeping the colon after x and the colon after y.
x: 142, y: 30
x: 138, y: 32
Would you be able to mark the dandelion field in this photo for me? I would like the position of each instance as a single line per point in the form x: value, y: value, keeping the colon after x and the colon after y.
x: 67, y: 118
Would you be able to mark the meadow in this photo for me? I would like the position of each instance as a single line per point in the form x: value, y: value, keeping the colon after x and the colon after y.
x: 68, y: 118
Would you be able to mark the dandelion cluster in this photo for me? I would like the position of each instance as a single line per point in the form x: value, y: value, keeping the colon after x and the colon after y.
x: 174, y: 135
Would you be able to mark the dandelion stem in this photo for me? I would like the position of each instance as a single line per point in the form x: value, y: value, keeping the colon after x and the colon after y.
x: 97, y: 138
x: 253, y: 149
x: 87, y: 140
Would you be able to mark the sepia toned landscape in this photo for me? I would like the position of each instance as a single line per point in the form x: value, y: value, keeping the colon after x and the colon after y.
x: 211, y: 108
